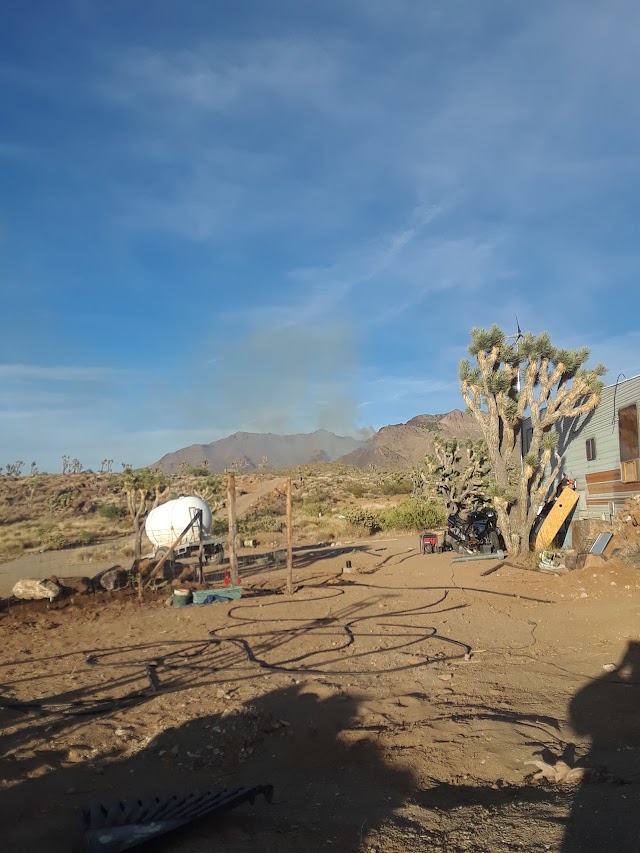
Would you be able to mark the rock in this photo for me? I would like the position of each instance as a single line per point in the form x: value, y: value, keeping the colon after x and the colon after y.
x: 114, y: 578
x: 78, y: 585
x: 175, y: 749
x: 31, y: 589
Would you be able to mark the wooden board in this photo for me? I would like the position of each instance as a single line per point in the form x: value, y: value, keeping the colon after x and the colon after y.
x: 557, y: 516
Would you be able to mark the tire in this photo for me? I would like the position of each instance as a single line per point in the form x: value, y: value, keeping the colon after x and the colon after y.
x: 494, y: 540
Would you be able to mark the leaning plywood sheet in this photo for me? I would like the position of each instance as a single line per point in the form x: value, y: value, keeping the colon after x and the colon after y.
x: 559, y: 513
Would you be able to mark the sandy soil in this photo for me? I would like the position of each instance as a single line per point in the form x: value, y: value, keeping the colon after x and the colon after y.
x: 393, y: 709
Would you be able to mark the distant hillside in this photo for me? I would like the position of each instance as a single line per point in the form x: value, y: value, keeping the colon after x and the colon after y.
x: 406, y: 445
x: 249, y: 448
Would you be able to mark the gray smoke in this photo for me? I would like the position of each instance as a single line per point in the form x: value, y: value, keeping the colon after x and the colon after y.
x: 287, y: 378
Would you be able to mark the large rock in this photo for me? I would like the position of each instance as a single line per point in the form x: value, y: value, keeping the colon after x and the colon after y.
x: 33, y: 589
x: 79, y: 585
x: 113, y: 578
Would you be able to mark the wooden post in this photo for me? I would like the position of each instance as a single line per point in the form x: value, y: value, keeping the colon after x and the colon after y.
x: 233, y: 526
x: 201, y: 551
x: 289, y: 539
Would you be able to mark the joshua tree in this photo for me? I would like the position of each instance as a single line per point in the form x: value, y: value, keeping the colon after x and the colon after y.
x: 264, y: 461
x: 106, y: 466
x: 456, y: 472
x: 143, y: 490
x: 34, y: 469
x: 65, y: 464
x: 510, y: 382
x: 209, y: 487
x: 13, y: 469
x: 75, y: 466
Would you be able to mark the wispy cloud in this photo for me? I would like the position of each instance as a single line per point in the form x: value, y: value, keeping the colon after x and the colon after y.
x: 60, y: 373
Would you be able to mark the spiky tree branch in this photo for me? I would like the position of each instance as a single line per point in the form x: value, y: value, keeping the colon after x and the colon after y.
x: 455, y: 472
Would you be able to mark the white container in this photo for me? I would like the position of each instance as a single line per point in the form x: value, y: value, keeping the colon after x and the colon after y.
x: 166, y: 522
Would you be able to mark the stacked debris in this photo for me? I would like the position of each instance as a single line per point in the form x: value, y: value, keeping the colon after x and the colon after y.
x: 626, y: 530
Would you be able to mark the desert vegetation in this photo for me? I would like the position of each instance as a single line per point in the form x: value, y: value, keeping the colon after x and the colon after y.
x: 97, y: 510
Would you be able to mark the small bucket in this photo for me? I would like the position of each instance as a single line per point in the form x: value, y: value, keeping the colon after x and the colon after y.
x: 181, y: 597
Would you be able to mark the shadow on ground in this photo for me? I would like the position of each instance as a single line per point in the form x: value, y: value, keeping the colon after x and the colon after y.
x: 330, y: 782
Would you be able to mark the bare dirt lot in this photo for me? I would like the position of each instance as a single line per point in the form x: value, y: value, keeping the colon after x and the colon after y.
x: 393, y: 709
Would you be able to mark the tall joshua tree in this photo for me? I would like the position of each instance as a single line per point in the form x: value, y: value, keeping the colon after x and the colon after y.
x: 508, y: 383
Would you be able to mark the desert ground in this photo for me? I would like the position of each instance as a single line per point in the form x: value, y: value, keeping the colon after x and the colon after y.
x: 397, y: 707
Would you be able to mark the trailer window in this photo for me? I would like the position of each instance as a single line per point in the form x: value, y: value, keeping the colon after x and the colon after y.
x: 591, y: 449
x: 628, y: 431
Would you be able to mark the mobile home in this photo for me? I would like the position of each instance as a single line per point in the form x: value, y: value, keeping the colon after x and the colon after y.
x: 602, y: 452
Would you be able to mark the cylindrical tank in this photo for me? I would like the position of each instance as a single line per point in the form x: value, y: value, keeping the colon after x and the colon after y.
x: 166, y: 522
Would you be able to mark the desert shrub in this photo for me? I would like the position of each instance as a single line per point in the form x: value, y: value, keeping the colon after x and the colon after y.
x: 311, y: 506
x: 397, y: 486
x: 364, y: 519
x: 60, y: 501
x: 219, y: 527
x: 56, y: 540
x: 260, y: 521
x: 357, y: 490
x: 86, y: 538
x: 112, y: 511
x: 414, y: 514
x: 198, y: 471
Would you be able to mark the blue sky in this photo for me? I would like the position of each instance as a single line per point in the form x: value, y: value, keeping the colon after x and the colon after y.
x: 286, y: 215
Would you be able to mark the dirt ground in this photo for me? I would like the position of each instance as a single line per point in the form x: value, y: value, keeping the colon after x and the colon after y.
x: 393, y: 708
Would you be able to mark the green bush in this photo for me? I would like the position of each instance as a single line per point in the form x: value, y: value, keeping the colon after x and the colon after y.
x: 112, y: 511
x: 260, y: 521
x: 414, y: 514
x: 399, y: 486
x: 219, y: 527
x: 86, y: 538
x: 314, y: 507
x: 364, y: 519
x: 357, y: 490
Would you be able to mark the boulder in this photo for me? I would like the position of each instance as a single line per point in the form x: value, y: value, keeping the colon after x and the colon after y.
x: 78, y: 585
x: 110, y: 579
x: 31, y: 589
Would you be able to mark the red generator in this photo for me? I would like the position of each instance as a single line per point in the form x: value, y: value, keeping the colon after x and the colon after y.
x: 429, y: 543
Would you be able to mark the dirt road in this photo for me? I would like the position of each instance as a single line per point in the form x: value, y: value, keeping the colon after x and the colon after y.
x: 394, y: 709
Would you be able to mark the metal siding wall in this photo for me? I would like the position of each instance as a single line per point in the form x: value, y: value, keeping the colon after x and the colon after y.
x: 602, y: 427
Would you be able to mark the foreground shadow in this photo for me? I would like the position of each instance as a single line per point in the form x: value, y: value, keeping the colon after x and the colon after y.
x: 331, y: 780
x: 606, y: 809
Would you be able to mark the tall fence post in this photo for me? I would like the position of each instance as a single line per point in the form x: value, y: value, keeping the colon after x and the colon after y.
x: 289, y: 539
x: 233, y: 526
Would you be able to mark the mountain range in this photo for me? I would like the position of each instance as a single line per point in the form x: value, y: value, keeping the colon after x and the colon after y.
x: 395, y: 446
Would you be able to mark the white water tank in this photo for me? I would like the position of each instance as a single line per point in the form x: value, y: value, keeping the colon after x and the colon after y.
x: 166, y: 522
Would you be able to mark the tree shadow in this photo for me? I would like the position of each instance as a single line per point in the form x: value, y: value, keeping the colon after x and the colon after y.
x: 331, y: 780
x: 605, y: 810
